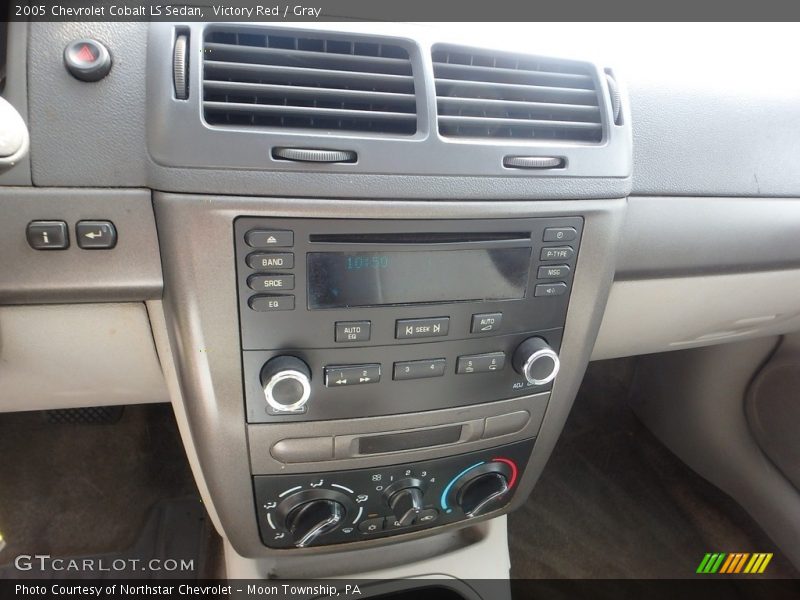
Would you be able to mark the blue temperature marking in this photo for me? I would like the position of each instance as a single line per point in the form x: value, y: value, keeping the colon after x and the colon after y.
x: 453, y: 480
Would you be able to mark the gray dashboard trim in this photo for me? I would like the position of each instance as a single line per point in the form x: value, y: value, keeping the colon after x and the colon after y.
x: 130, y: 271
x: 668, y: 236
x: 727, y: 139
x: 76, y: 355
x: 201, y: 317
x: 687, y: 140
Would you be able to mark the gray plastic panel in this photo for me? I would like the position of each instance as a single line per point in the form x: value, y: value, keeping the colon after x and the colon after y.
x: 694, y: 401
x: 262, y: 437
x: 697, y: 236
x: 69, y: 356
x: 717, y: 137
x: 201, y: 315
x: 85, y: 134
x: 130, y: 271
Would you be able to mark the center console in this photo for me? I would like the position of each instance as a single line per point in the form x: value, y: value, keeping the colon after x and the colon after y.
x: 346, y: 319
x: 380, y: 302
x: 354, y: 378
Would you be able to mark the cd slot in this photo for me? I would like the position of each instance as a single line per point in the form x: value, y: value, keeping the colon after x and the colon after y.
x: 420, y: 238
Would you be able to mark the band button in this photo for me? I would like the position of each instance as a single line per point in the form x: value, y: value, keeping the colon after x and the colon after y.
x: 270, y: 260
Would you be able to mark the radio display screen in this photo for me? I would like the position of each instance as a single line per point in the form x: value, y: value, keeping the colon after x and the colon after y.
x: 375, y: 278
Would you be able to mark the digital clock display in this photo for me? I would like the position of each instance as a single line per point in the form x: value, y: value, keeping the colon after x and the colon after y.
x: 345, y: 279
x: 367, y: 261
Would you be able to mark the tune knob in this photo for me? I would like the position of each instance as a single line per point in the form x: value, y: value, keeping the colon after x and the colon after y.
x: 287, y: 383
x: 536, y: 361
x: 314, y: 518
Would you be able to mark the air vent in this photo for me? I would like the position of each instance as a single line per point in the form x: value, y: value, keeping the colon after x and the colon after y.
x: 495, y: 95
x: 258, y: 78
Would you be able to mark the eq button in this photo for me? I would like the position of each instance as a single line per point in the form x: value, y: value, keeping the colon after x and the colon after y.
x: 271, y: 303
x: 271, y: 282
x: 422, y: 328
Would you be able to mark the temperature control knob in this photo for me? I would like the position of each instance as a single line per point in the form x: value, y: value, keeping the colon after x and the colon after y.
x: 287, y: 384
x: 536, y: 361
x: 481, y: 488
x: 480, y: 492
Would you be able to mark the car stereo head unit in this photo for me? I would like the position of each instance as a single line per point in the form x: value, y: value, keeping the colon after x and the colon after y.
x: 355, y: 318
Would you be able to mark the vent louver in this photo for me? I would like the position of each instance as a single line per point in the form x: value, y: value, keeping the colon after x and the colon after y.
x: 483, y: 94
x: 279, y: 80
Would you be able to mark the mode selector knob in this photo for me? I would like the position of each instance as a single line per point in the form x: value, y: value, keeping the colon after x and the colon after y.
x: 536, y: 361
x: 287, y: 384
x: 313, y: 519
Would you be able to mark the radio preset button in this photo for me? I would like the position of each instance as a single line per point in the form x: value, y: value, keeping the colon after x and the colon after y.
x: 271, y: 282
x: 557, y: 253
x: 486, y: 322
x: 262, y: 238
x: 481, y: 363
x: 554, y: 272
x: 550, y: 289
x: 270, y: 303
x: 419, y: 369
x: 560, y: 234
x: 422, y: 328
x: 341, y: 375
x: 352, y: 331
x: 270, y: 260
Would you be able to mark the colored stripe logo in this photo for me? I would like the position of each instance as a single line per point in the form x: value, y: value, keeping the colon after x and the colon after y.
x: 734, y: 563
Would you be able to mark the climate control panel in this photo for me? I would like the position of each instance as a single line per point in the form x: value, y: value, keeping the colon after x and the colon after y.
x: 299, y: 511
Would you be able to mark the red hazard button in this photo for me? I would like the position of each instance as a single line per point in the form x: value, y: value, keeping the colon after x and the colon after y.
x: 87, y: 60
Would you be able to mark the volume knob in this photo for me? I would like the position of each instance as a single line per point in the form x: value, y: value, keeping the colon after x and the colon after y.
x: 536, y: 361
x: 287, y: 384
